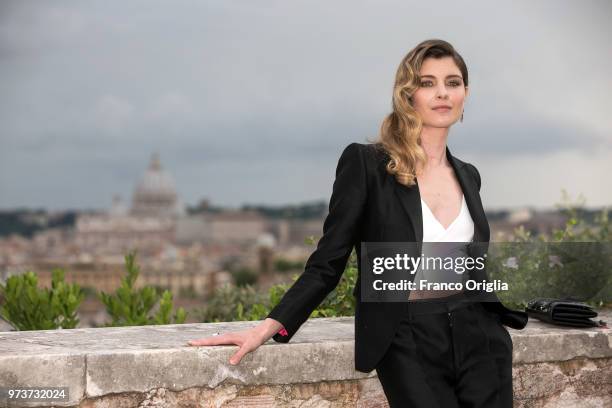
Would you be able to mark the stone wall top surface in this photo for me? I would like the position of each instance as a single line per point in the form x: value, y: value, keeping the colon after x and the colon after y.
x: 98, y: 361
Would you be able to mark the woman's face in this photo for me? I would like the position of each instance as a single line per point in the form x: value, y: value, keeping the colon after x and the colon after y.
x: 441, y: 85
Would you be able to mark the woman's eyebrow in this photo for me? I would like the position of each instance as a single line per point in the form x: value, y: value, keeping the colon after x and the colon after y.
x: 448, y: 76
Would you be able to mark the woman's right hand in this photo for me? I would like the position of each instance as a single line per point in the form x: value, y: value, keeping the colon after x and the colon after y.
x: 248, y: 340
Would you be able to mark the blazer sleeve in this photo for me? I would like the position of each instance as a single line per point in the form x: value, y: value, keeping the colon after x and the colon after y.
x: 326, y: 264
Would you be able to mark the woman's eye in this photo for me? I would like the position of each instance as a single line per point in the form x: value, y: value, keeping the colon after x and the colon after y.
x: 451, y: 83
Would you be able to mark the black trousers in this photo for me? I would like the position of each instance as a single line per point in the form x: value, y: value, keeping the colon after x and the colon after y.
x: 447, y: 354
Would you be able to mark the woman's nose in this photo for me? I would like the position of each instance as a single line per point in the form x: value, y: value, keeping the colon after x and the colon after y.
x: 442, y: 92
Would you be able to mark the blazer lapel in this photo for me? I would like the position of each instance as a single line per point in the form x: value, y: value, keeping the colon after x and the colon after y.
x: 472, y: 198
x: 410, y: 199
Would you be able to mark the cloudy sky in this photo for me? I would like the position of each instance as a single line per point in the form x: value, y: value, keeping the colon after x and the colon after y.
x: 253, y: 101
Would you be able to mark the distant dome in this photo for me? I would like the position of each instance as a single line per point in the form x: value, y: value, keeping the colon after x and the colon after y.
x: 155, y: 193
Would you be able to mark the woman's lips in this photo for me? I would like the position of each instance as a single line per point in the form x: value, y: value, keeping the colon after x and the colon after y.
x: 442, y: 109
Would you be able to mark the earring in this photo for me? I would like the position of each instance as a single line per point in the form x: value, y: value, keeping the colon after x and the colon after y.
x: 461, y: 116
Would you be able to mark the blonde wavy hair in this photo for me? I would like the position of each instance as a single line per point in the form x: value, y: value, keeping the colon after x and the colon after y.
x: 400, y: 132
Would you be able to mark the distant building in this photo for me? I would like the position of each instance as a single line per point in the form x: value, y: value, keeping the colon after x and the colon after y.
x: 118, y: 208
x: 111, y: 234
x: 148, y: 225
x: 235, y: 227
x: 519, y: 215
x: 534, y: 221
x: 155, y: 194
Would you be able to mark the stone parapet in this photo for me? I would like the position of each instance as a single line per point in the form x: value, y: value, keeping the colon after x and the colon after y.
x: 152, y: 366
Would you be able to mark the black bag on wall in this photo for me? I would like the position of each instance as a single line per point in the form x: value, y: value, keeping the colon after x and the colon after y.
x: 563, y: 312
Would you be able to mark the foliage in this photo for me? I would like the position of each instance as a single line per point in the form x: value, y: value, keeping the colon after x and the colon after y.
x: 129, y: 306
x: 286, y: 265
x: 229, y: 304
x: 27, y: 307
x: 29, y: 222
x: 188, y: 292
x: 90, y: 292
x: 574, y: 261
x: 340, y: 301
x: 245, y: 303
x: 244, y: 276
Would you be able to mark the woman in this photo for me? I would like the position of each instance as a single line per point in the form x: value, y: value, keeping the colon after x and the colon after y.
x: 408, y: 187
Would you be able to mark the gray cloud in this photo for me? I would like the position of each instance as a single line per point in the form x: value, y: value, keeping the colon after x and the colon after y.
x: 253, y: 102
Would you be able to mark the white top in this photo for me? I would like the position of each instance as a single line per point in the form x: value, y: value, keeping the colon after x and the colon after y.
x: 460, y: 230
x: 458, y: 233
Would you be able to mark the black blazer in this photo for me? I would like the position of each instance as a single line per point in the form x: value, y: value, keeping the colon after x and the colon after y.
x: 368, y: 205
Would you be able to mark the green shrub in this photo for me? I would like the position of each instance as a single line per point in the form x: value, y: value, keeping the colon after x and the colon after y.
x: 244, y: 276
x: 228, y: 304
x: 90, y: 292
x: 27, y: 307
x: 188, y: 292
x: 340, y: 301
x: 285, y: 265
x: 129, y: 306
x: 244, y: 303
x: 581, y: 268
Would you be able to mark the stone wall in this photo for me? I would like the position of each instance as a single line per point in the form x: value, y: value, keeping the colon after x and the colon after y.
x: 152, y: 366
